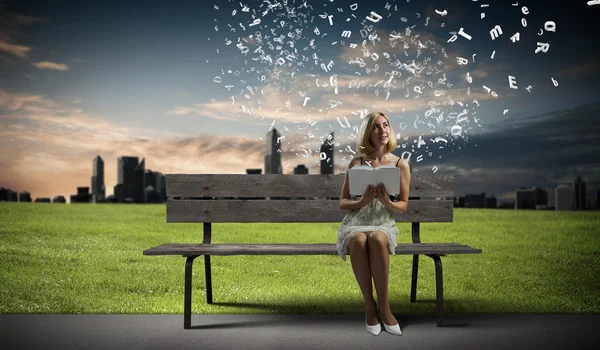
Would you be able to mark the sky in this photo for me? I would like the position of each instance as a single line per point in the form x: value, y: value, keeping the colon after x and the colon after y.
x: 194, y: 87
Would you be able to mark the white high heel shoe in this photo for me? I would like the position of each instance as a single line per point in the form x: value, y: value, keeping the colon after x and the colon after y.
x: 375, y: 330
x: 395, y: 329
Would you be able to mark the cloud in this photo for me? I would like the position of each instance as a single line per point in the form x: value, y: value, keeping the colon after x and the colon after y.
x: 15, y: 50
x: 355, y: 93
x: 51, y: 66
x: 11, y: 23
x: 541, y: 150
x: 581, y: 70
x: 19, y: 100
x: 372, y: 91
x: 48, y: 148
x: 218, y: 110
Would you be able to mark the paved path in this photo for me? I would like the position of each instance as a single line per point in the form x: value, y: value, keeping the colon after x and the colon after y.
x: 474, y: 331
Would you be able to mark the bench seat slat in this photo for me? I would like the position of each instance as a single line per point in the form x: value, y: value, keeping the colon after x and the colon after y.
x: 298, y: 249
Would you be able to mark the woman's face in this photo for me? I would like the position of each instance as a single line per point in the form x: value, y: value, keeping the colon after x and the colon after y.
x: 380, y: 132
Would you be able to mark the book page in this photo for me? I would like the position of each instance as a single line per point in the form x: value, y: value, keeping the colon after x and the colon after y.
x: 361, y: 176
x: 390, y: 177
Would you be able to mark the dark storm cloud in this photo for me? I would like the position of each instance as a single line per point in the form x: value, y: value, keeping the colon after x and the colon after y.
x: 543, y: 150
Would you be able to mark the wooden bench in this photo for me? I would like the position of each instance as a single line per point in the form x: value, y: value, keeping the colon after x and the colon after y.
x: 319, y: 202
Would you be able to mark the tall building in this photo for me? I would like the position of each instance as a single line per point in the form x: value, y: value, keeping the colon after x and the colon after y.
x: 24, y: 196
x: 158, y: 182
x: 564, y: 197
x: 8, y: 195
x: 98, y: 189
x: 326, y: 155
x: 475, y: 200
x: 541, y: 197
x: 140, y: 185
x: 526, y: 199
x: 126, y: 177
x: 301, y: 169
x: 150, y: 178
x: 579, y: 193
x: 119, y: 193
x: 83, y: 195
x: 154, y: 187
x: 598, y: 199
x: 591, y: 203
x: 273, y: 154
x: 150, y: 193
x: 533, y: 198
x: 491, y: 202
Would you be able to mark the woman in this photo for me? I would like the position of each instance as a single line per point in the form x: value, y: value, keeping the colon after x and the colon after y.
x: 369, y: 231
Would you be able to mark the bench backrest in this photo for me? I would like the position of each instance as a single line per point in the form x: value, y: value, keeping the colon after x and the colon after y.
x: 211, y: 198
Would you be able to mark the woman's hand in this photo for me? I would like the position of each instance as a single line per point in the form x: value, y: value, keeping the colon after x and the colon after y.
x: 382, y: 195
x: 369, y: 195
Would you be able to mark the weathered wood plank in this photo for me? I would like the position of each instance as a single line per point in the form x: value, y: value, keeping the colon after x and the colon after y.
x: 288, y: 185
x: 298, y: 249
x: 293, y: 211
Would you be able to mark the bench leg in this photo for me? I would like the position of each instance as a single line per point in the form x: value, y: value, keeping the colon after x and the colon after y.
x: 439, y: 289
x: 187, y: 294
x: 207, y: 274
x: 415, y: 274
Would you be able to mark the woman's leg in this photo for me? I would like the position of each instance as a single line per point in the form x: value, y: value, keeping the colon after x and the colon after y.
x: 379, y: 258
x: 359, y: 257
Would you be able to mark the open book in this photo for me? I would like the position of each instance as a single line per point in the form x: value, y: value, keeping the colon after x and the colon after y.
x: 360, y: 176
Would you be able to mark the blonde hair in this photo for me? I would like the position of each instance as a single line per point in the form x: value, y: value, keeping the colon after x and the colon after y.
x: 363, y: 145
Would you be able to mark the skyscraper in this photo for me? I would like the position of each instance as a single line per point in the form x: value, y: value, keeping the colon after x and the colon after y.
x: 126, y: 176
x: 149, y: 181
x: 161, y: 185
x: 579, y: 193
x: 140, y: 183
x: 475, y: 200
x: 326, y: 155
x: 273, y: 154
x: 526, y: 199
x: 564, y: 197
x: 541, y: 196
x: 98, y: 189
x: 24, y: 196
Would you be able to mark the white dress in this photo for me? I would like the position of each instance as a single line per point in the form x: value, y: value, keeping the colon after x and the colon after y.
x: 372, y: 217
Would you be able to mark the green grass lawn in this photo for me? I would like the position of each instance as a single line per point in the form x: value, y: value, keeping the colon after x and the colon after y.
x: 79, y: 258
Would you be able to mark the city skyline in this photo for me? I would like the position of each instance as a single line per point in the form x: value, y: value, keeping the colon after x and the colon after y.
x: 574, y: 196
x: 85, y: 79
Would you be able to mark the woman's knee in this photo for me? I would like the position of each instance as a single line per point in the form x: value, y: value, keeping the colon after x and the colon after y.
x: 358, y: 240
x: 378, y: 238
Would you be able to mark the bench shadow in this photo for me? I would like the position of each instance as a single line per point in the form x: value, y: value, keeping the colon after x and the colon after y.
x: 291, y: 310
x: 237, y: 324
x: 289, y: 307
